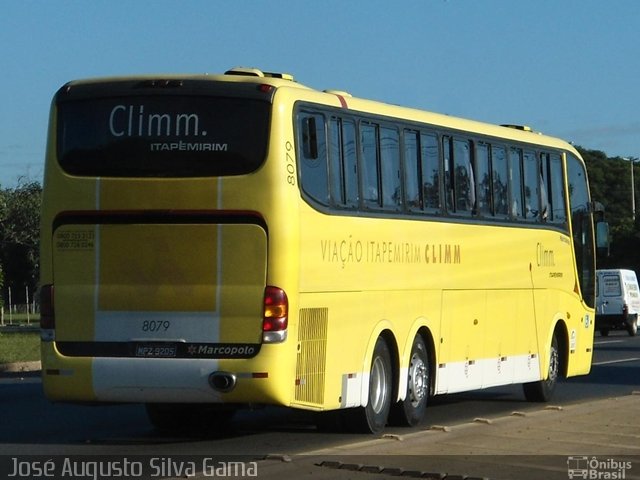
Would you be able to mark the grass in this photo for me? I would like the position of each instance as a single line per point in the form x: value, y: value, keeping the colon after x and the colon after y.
x: 21, y: 318
x: 19, y: 347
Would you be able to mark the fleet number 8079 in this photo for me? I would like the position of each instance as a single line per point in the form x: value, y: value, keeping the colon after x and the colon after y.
x: 155, y: 325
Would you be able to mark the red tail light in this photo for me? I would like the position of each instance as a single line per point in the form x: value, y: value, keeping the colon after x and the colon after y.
x: 275, y: 316
x: 47, y: 313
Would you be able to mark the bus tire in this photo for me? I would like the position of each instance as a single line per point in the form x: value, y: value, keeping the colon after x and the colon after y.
x: 411, y: 411
x: 189, y: 418
x: 542, y: 390
x: 632, y: 328
x: 373, y: 418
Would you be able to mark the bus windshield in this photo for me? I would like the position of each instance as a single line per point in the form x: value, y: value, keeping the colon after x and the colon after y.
x: 162, y: 136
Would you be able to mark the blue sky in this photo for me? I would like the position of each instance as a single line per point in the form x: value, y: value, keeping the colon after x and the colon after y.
x: 568, y: 68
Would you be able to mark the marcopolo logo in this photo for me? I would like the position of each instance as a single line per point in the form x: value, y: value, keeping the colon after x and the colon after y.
x: 586, y: 467
x: 222, y: 350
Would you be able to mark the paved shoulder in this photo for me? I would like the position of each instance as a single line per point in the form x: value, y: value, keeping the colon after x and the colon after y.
x: 544, y: 443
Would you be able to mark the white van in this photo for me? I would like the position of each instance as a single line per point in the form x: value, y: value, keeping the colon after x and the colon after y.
x: 617, y: 301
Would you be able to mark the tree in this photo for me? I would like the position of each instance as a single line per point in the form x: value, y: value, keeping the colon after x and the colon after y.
x: 1, y: 285
x: 19, y: 237
x: 610, y: 184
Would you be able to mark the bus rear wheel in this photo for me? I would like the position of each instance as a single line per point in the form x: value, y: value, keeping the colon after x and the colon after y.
x: 542, y: 391
x: 411, y: 411
x: 373, y: 417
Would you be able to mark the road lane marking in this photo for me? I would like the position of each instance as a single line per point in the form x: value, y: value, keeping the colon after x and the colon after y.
x: 617, y: 361
x: 608, y: 341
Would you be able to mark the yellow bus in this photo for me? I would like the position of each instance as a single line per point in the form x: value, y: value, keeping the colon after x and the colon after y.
x: 216, y: 241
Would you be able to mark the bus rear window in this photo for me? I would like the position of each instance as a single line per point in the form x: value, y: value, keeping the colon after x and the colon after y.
x: 162, y: 136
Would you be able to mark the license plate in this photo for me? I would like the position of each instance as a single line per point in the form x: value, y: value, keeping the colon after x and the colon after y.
x: 154, y: 350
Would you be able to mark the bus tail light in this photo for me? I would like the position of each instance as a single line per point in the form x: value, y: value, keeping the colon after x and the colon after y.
x: 47, y: 312
x: 275, y: 316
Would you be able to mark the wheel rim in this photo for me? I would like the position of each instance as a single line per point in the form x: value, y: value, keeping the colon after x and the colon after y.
x: 379, y: 387
x: 553, y: 364
x: 418, y: 380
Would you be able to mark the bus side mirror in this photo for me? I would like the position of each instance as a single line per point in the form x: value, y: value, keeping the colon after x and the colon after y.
x: 602, y: 238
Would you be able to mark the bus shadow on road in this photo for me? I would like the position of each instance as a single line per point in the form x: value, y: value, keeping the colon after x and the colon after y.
x: 610, y: 374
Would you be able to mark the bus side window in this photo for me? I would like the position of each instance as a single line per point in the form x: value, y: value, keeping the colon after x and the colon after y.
x: 313, y: 165
x: 544, y: 187
x: 412, y: 170
x: 336, y: 163
x: 343, y: 165
x: 430, y: 171
x: 531, y: 173
x: 483, y: 179
x: 310, y: 137
x: 515, y: 182
x: 369, y: 165
x: 499, y: 181
x: 390, y: 168
x: 421, y: 171
x: 464, y: 184
x: 458, y: 180
x: 556, y: 185
x: 447, y: 157
x: 350, y: 156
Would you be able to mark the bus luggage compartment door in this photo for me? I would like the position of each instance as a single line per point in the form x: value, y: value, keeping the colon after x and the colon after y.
x: 129, y: 287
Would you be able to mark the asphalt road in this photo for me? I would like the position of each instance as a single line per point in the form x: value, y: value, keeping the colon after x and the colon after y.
x: 31, y: 425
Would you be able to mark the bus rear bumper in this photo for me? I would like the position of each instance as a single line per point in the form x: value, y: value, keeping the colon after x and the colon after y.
x: 157, y: 380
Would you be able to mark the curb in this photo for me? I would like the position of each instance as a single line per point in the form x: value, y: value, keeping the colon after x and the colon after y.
x: 19, y: 328
x: 20, y: 367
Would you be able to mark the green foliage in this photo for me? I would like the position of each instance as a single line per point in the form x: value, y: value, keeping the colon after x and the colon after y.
x: 610, y: 184
x: 605, y: 183
x: 19, y: 237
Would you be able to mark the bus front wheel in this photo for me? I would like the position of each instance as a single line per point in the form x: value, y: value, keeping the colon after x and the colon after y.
x: 410, y: 411
x: 541, y: 391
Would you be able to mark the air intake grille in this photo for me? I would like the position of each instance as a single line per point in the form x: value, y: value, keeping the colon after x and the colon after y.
x: 312, y: 354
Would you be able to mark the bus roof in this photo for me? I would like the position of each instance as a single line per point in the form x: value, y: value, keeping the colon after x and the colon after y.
x: 343, y: 99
